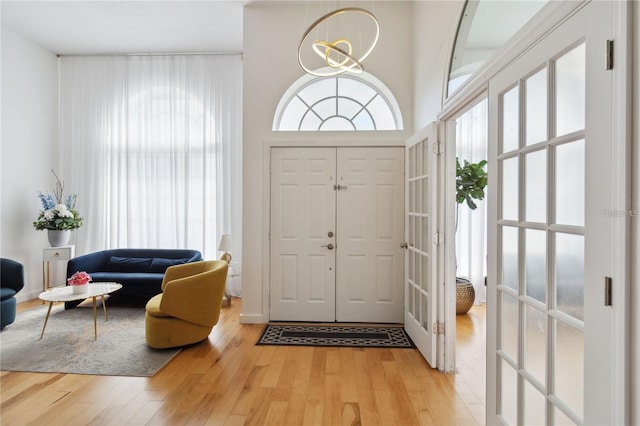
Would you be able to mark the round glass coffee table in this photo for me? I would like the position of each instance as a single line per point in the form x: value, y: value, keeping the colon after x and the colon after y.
x: 66, y: 294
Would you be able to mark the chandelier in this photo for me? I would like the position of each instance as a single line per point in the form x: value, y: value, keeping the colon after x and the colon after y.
x: 338, y: 42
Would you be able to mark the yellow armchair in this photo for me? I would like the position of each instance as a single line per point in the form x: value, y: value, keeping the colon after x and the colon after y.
x: 189, y: 305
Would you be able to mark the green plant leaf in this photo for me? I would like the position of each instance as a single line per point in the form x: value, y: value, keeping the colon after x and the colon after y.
x: 471, y: 180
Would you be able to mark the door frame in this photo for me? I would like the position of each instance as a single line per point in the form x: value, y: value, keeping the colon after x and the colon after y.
x: 299, y: 140
x: 550, y: 18
x: 447, y: 355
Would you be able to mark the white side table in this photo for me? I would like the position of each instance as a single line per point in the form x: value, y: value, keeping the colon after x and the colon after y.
x: 52, y: 254
x: 231, y: 273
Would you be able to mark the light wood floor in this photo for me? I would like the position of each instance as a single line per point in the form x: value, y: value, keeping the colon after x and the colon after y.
x: 227, y: 380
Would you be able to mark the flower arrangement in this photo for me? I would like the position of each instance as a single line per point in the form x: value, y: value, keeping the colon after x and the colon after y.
x: 55, y: 214
x: 79, y: 278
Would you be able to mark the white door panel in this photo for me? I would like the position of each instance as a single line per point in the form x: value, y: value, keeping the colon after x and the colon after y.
x: 370, y: 234
x: 302, y: 215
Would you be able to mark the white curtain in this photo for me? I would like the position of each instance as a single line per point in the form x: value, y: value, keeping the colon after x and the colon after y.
x: 152, y: 146
x: 471, y: 246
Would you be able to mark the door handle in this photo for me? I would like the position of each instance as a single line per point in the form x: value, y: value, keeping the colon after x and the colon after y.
x: 329, y: 246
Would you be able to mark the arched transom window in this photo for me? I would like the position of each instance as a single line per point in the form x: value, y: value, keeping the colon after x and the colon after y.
x: 344, y: 102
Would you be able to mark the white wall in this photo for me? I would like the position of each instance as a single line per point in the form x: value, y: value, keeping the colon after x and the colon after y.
x: 271, y: 35
x: 435, y: 24
x: 28, y: 150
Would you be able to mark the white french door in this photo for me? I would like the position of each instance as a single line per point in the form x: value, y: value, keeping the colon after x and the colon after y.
x: 336, y: 234
x: 423, y: 238
x: 549, y: 331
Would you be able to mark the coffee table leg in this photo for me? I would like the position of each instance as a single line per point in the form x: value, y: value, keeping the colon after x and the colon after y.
x: 104, y: 307
x: 95, y: 326
x: 46, y: 319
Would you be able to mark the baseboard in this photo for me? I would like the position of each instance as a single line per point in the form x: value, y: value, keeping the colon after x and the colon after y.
x: 253, y: 319
x: 23, y: 296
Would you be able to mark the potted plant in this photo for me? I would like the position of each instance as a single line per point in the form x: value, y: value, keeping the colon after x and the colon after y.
x: 57, y: 217
x: 79, y: 281
x: 471, y: 181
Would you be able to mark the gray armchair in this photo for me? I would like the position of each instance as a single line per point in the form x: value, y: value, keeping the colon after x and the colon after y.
x: 11, y: 282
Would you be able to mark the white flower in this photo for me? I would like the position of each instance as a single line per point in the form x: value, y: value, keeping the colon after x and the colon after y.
x: 56, y: 215
x: 62, y: 211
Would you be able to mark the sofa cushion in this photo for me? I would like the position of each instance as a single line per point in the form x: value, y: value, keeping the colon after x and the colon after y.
x: 128, y: 264
x: 160, y: 264
x: 127, y: 278
x: 6, y: 293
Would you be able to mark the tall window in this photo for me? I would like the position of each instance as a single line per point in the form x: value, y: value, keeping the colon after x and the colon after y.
x: 344, y: 102
x: 170, y: 162
x: 153, y: 147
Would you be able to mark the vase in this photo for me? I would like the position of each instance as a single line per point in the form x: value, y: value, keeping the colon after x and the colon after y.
x: 58, y: 238
x: 80, y: 288
x: 465, y: 295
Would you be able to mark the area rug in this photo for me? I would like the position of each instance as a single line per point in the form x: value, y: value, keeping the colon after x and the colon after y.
x: 68, y: 344
x: 335, y: 335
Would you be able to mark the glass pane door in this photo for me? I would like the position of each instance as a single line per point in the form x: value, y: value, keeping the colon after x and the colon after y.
x: 555, y: 348
x: 421, y: 256
x: 540, y: 313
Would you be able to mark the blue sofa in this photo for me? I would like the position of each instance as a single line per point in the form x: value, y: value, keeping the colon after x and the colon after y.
x: 140, y: 271
x: 11, y: 282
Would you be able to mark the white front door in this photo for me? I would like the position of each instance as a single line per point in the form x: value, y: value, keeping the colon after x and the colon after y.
x: 336, y: 234
x: 303, y: 206
x: 370, y: 234
x: 421, y: 299
x: 549, y: 329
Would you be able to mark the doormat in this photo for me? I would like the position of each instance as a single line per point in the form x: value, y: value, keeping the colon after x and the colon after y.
x: 336, y: 336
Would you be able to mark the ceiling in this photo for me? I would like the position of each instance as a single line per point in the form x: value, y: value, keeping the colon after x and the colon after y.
x: 110, y: 26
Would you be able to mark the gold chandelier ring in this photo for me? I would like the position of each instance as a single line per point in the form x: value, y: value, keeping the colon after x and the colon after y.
x: 354, y: 65
x: 325, y: 53
x: 356, y: 62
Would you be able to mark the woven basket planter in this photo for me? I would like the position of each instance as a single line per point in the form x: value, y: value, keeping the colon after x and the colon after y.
x: 465, y: 296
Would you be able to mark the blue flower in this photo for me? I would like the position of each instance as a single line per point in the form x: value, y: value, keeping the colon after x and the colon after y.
x: 47, y: 201
x: 71, y: 201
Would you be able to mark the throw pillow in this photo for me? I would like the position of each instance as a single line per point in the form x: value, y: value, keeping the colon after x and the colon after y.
x: 159, y: 265
x: 128, y: 264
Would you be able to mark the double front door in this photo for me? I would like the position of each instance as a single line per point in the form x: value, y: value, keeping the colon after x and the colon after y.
x: 336, y: 234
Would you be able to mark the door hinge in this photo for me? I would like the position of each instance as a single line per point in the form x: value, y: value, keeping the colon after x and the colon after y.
x: 438, y: 328
x: 609, y: 55
x: 404, y: 245
x: 438, y: 148
x: 607, y: 291
x: 438, y: 238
